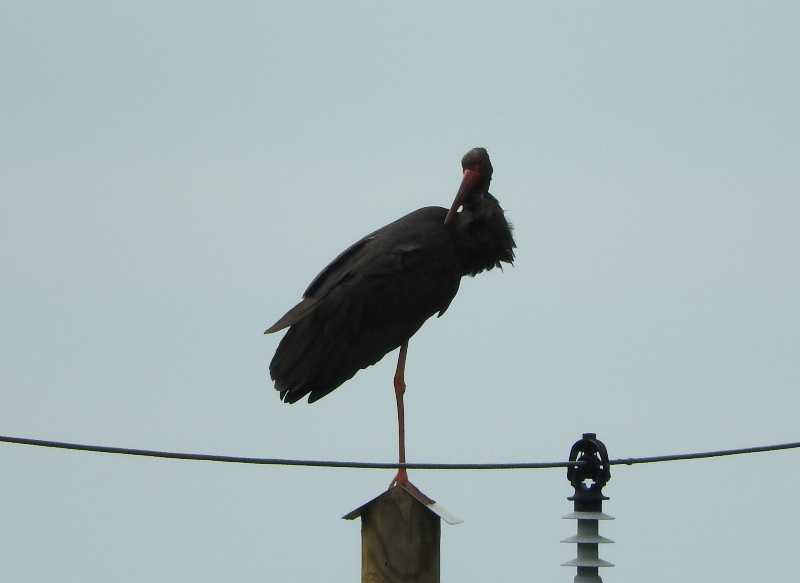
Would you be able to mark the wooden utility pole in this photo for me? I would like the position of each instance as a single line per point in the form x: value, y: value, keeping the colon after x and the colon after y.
x: 400, y: 535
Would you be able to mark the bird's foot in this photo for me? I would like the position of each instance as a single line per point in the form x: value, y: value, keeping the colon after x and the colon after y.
x: 401, y: 479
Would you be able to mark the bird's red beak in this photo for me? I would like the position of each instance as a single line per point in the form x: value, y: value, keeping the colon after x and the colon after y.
x: 468, y: 185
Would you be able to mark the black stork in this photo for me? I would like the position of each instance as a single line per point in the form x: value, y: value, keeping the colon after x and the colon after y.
x: 374, y: 296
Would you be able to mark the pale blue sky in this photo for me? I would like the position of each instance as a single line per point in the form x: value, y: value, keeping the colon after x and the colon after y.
x: 173, y: 176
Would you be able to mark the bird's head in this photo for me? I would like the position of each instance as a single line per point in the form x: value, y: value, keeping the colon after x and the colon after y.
x: 477, y: 176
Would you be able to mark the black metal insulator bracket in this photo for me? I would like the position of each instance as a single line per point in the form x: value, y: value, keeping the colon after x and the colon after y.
x: 595, y: 469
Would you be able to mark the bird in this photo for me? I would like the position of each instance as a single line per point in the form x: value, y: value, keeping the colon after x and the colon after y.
x: 373, y: 297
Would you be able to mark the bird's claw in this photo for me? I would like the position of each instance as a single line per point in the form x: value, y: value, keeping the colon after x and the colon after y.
x: 401, y: 479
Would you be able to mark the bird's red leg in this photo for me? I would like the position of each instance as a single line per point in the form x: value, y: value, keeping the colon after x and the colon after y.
x: 399, y: 391
x: 401, y: 479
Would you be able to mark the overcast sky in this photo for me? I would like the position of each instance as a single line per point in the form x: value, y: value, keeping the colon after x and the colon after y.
x: 173, y: 175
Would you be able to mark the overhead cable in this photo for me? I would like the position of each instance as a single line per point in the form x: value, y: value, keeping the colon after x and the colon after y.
x: 380, y: 465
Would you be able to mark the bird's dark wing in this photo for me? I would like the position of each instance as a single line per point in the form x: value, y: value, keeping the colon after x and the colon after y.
x: 348, y: 260
x: 327, y: 278
x: 293, y: 316
x: 369, y: 301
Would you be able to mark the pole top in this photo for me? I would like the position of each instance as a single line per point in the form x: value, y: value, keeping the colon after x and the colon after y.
x: 417, y: 497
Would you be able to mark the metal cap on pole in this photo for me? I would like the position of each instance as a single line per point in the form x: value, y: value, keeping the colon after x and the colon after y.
x: 588, y: 480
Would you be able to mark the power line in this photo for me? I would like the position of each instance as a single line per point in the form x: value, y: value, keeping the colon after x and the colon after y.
x: 381, y: 465
x: 279, y: 461
x: 703, y: 455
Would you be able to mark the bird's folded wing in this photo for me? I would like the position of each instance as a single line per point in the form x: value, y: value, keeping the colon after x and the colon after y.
x: 293, y: 316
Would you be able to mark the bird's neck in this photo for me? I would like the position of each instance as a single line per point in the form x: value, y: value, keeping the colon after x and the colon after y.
x: 483, y: 237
